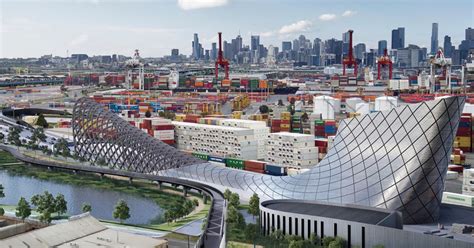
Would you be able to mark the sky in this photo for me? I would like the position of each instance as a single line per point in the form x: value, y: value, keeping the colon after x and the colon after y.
x: 32, y: 28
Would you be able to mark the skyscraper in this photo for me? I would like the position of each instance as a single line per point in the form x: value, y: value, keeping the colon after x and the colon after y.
x: 196, y: 48
x: 398, y: 38
x: 359, y: 51
x: 469, y: 34
x: 448, y: 46
x: 434, y: 38
x: 254, y: 42
x: 214, y: 51
x: 382, y: 46
x: 286, y: 46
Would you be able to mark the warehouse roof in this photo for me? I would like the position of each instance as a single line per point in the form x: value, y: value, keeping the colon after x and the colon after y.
x: 80, y: 230
x: 346, y: 212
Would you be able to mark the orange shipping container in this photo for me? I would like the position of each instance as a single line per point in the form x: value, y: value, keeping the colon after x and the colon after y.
x: 262, y: 84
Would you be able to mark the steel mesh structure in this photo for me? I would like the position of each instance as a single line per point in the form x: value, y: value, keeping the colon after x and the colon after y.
x: 103, y: 137
x: 395, y: 160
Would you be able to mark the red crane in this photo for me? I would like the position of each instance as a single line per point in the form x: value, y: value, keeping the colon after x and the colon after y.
x: 350, y: 60
x: 221, y: 61
x: 384, y: 61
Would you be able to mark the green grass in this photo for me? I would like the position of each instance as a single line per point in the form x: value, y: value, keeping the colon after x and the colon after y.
x: 140, y: 188
x: 179, y: 223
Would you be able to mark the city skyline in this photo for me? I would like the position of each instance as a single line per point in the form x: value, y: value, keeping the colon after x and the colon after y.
x: 122, y: 28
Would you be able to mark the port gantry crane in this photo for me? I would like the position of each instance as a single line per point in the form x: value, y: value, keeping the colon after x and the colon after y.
x: 134, y: 64
x: 439, y: 61
x: 349, y: 61
x: 221, y: 61
x: 384, y: 61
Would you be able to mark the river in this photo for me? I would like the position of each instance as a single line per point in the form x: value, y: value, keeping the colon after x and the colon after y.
x: 142, y: 210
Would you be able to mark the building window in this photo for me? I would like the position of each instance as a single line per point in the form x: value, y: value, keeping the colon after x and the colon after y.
x: 284, y: 225
x: 322, y: 229
x: 265, y: 223
x: 309, y: 229
x: 335, y: 229
x: 290, y: 229
x: 296, y: 226
x: 348, y: 235
x: 273, y: 222
x: 302, y: 228
x: 315, y: 227
x: 278, y: 222
x: 363, y: 237
x: 268, y: 223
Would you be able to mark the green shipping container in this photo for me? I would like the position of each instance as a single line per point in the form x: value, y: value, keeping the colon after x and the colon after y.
x: 200, y: 156
x: 234, y: 163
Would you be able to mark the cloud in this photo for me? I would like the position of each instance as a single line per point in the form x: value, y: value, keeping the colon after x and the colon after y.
x: 299, y: 26
x: 267, y: 34
x: 327, y: 17
x: 200, y: 4
x: 79, y: 40
x: 348, y: 13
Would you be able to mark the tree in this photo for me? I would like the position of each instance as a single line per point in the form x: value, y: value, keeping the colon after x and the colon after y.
x: 2, y: 211
x: 38, y: 135
x: 122, y: 211
x: 254, y: 205
x: 264, y: 109
x: 148, y: 114
x: 14, y: 136
x: 251, y: 231
x: 314, y: 239
x: 232, y: 214
x: 60, y: 204
x: 61, y: 147
x: 196, y: 202
x: 41, y: 121
x: 45, y: 205
x: 189, y: 207
x: 168, y: 216
x: 327, y: 240
x: 296, y: 244
x: 227, y: 194
x: 23, y: 210
x: 234, y: 200
x: 277, y: 235
x: 86, y: 207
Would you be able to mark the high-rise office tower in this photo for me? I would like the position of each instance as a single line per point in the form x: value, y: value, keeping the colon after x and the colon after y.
x: 469, y: 34
x: 434, y: 38
x: 196, y: 48
x: 398, y: 38
x: 382, y: 46
x: 448, y: 46
x: 174, y: 53
x: 214, y: 51
x: 286, y: 46
x: 359, y: 51
x: 254, y: 42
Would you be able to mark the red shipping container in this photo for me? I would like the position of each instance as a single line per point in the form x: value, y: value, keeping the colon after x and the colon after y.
x: 169, y: 142
x: 132, y: 123
x: 164, y: 127
x: 254, y: 165
x: 285, y: 122
x: 457, y: 168
x: 151, y: 132
x: 147, y: 124
x: 463, y: 131
x: 321, y: 143
x: 322, y: 149
x: 256, y: 171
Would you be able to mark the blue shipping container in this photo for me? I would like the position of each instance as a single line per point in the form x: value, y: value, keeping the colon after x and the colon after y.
x: 216, y: 159
x: 275, y: 170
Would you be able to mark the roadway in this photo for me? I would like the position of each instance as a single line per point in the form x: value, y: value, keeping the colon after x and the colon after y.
x: 215, y: 231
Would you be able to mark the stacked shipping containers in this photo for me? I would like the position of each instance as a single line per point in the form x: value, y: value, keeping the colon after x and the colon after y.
x: 463, y: 135
x: 291, y: 149
x: 285, y: 118
x: 218, y: 141
x: 259, y: 128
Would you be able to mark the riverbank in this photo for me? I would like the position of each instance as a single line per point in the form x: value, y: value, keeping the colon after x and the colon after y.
x: 165, y: 197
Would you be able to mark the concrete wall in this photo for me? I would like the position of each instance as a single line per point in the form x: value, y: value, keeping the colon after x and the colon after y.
x: 374, y: 234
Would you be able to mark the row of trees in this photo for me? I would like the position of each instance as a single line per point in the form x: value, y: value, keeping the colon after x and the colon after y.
x: 180, y: 210
x: 46, y: 204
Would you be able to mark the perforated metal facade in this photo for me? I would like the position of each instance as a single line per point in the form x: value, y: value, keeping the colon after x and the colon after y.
x: 395, y: 160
